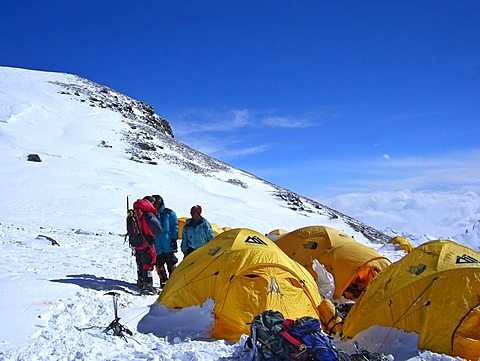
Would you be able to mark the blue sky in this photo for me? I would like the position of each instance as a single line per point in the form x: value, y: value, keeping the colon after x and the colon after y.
x: 321, y: 97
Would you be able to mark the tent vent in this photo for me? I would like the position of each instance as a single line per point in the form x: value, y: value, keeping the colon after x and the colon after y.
x: 310, y: 245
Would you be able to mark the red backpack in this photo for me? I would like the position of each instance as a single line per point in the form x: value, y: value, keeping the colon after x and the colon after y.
x: 134, y: 232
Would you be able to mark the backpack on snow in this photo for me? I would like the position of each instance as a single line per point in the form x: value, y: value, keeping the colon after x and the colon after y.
x: 272, y: 337
x: 134, y: 233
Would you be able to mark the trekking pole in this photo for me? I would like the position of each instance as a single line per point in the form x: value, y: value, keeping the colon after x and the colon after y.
x: 126, y: 234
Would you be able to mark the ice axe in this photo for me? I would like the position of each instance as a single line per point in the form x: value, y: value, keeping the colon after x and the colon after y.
x: 115, y: 326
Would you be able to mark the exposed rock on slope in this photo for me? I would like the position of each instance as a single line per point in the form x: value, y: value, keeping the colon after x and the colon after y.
x: 151, y: 138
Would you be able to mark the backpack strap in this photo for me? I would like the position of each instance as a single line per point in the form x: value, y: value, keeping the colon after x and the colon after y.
x: 292, y: 339
x: 286, y: 324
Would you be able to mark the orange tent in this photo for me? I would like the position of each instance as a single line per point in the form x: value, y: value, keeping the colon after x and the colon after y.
x: 352, y: 264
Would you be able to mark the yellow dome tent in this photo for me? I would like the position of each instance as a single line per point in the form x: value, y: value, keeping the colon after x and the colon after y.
x: 352, y: 264
x: 433, y: 291
x: 217, y: 229
x: 181, y: 224
x: 245, y: 274
x: 402, y: 244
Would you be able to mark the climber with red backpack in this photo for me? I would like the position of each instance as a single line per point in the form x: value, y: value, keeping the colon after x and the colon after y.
x: 142, y: 228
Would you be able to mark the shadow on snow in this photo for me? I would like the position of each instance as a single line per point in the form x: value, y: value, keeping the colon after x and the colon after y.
x: 99, y: 283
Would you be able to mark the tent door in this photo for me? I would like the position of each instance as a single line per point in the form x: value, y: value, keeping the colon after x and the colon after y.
x: 466, y: 337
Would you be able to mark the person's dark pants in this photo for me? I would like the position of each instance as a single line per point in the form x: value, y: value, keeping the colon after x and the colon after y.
x: 145, y: 259
x: 190, y: 250
x: 170, y: 260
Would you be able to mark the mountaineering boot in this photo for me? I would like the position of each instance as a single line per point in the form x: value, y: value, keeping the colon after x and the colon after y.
x: 162, y: 274
x: 148, y: 288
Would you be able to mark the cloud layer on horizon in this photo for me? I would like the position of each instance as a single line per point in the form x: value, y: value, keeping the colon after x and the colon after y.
x: 436, y: 214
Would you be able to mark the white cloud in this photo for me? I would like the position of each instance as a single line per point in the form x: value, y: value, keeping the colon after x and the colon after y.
x: 236, y: 152
x: 284, y: 122
x: 225, y: 148
x: 440, y: 214
x: 405, y: 117
x: 450, y: 171
x: 226, y: 134
x: 196, y: 121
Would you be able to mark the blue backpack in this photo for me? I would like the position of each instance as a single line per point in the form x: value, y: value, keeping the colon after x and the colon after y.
x: 274, y: 338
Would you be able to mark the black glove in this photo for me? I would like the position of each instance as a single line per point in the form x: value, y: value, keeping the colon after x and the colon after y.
x: 173, y: 245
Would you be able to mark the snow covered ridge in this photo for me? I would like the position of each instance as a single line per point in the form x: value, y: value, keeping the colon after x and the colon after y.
x: 151, y: 139
x: 96, y: 95
x: 150, y: 134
